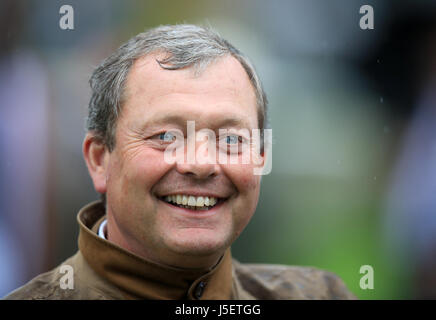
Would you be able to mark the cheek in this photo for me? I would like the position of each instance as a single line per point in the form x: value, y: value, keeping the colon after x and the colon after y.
x: 247, y: 185
x: 134, y: 174
x: 243, y: 178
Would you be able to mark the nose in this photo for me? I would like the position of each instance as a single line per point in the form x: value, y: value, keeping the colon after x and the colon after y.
x: 198, y: 170
x: 197, y: 166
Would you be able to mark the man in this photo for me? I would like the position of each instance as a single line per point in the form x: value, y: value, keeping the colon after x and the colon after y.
x: 163, y: 229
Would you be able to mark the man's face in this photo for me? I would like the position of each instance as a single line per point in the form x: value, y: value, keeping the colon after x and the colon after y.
x: 139, y: 180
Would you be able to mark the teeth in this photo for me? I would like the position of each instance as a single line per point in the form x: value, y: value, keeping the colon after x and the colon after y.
x: 184, y: 200
x: 191, y: 202
x: 200, y: 202
x: 212, y: 201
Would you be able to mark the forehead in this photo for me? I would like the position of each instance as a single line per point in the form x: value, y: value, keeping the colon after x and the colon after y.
x: 221, y: 89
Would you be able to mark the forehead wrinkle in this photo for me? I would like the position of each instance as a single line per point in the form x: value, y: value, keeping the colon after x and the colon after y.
x: 140, y: 80
x: 167, y: 86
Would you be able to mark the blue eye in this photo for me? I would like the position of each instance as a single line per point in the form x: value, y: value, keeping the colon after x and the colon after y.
x: 167, y: 136
x: 232, y: 139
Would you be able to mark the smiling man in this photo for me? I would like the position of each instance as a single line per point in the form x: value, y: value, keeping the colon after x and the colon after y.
x: 163, y: 229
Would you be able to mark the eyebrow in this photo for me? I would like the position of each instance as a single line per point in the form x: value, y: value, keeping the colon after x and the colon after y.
x: 230, y: 121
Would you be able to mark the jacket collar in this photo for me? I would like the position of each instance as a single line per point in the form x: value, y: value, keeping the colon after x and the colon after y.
x: 142, y: 279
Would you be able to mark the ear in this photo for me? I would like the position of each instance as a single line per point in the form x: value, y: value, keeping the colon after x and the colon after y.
x: 96, y: 157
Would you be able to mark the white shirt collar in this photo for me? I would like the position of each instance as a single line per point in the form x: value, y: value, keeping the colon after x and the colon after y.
x: 101, y: 229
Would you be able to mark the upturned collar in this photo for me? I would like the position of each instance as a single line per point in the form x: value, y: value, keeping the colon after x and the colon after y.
x: 139, y: 278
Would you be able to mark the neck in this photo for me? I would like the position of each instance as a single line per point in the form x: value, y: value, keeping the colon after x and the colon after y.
x: 138, y: 278
x: 165, y: 257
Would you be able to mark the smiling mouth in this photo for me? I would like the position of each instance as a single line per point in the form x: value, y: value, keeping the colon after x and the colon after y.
x: 201, y: 203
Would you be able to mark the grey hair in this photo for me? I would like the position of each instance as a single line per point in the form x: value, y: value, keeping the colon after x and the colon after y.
x: 184, y: 46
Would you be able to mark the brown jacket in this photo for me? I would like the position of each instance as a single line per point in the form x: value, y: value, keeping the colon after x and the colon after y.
x: 102, y: 270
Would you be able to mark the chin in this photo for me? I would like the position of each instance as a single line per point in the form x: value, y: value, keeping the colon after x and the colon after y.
x: 199, y: 244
